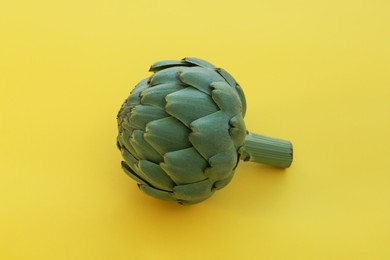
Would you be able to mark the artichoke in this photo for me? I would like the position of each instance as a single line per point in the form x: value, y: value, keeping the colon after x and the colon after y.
x: 182, y: 133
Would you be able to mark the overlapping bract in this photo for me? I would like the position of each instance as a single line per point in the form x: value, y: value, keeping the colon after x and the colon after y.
x: 180, y: 130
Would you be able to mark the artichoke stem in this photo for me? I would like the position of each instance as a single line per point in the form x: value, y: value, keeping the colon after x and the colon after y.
x: 262, y: 149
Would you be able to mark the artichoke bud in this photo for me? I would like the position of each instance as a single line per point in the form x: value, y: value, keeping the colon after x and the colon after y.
x: 182, y: 132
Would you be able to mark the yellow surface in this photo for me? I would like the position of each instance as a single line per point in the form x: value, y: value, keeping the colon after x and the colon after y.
x: 314, y: 72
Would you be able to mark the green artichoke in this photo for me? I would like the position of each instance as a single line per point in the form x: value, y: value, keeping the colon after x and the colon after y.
x: 182, y: 133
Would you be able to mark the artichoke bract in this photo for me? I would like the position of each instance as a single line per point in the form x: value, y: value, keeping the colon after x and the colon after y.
x: 182, y: 133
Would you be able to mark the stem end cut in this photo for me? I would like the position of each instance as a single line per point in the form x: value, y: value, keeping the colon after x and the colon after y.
x: 267, y: 150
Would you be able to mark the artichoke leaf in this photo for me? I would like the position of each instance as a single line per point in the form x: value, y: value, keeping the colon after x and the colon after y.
x: 164, y: 64
x: 240, y: 93
x: 155, y: 96
x: 123, y: 112
x: 199, y: 62
x: 169, y: 75
x: 222, y: 183
x: 210, y: 134
x: 156, y: 193
x: 133, y: 164
x: 123, y: 140
x: 184, y: 166
x: 237, y: 130
x: 226, y: 98
x: 229, y: 78
x: 232, y: 82
x: 124, y: 123
x: 132, y: 174
x: 194, y: 191
x: 130, y: 160
x: 200, y: 78
x: 140, y: 115
x: 222, y: 164
x: 144, y: 150
x: 134, y: 98
x: 166, y: 135
x: 153, y: 174
x: 189, y: 104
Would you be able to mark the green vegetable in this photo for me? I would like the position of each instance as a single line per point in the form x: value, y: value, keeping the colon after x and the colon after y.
x: 182, y: 133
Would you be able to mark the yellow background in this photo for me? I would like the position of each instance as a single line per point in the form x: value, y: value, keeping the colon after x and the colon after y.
x: 314, y: 72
